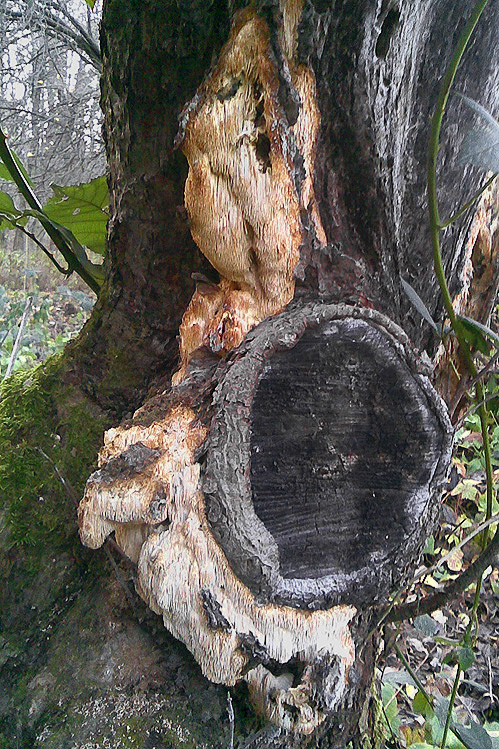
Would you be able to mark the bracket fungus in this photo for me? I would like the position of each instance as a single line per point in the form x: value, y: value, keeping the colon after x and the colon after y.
x: 251, y: 158
x: 270, y: 497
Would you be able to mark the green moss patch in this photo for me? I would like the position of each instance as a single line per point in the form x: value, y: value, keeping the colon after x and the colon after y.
x: 49, y: 440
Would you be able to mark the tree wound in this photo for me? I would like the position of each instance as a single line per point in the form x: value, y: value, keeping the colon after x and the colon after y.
x: 316, y: 500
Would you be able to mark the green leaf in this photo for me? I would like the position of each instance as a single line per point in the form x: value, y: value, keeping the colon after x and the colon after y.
x: 418, y: 303
x: 493, y: 731
x: 429, y: 547
x: 466, y: 658
x: 4, y: 172
x: 398, y: 677
x: 7, y: 204
x: 95, y: 270
x: 82, y: 209
x: 425, y: 625
x: 475, y: 338
x: 473, y: 736
x: 478, y: 328
x: 421, y: 705
x: 90, y: 4
x: 441, y: 708
x: 9, y: 215
x: 388, y: 695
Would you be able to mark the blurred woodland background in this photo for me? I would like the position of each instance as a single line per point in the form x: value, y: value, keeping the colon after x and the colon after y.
x: 49, y: 109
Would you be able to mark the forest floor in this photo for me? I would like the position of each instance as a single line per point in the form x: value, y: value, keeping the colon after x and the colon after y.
x: 52, y: 318
x: 433, y: 645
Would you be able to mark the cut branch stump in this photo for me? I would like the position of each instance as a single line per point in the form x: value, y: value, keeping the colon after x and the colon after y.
x: 271, y: 497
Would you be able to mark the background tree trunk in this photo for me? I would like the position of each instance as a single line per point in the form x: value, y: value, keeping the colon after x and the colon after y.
x: 82, y: 659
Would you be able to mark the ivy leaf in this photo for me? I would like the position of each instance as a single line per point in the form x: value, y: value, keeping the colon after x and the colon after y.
x: 473, y: 736
x: 418, y: 303
x: 480, y: 146
x: 82, y: 209
x: 475, y: 332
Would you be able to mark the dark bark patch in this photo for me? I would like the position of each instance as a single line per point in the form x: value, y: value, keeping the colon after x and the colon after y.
x: 253, y: 647
x: 336, y: 449
x: 157, y: 506
x: 229, y: 91
x: 127, y: 464
x: 325, y: 459
x: 262, y: 148
x: 387, y: 30
x: 213, y: 611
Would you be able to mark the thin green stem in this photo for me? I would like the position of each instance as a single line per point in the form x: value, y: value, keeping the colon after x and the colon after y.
x: 487, y: 554
x: 436, y: 125
x: 435, y: 228
x: 413, y: 674
x: 452, y: 700
x: 483, y: 526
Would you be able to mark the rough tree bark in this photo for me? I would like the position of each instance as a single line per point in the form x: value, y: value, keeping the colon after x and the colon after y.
x: 348, y: 221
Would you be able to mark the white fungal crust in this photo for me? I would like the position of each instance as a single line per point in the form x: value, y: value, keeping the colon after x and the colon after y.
x: 250, y: 176
x: 141, y: 471
x: 184, y: 576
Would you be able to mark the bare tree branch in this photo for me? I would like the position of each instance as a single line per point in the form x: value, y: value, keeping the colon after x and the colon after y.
x: 43, y: 18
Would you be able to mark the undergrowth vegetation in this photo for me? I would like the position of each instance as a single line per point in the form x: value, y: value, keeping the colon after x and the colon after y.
x: 53, y: 318
x: 418, y: 681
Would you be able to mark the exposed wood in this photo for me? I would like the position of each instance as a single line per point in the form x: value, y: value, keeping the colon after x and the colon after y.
x: 148, y: 491
x: 251, y: 150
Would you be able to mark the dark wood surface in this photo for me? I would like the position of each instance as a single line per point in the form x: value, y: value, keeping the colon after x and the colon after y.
x: 326, y: 453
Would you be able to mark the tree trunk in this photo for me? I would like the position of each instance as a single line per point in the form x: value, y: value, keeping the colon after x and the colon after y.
x: 335, y: 101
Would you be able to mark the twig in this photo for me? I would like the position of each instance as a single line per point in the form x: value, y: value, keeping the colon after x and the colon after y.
x: 472, y: 410
x: 20, y: 332
x: 230, y: 711
x: 461, y: 390
x: 65, y: 271
x: 488, y: 557
x: 475, y: 532
x: 109, y: 543
x: 467, y: 205
x: 65, y: 483
x: 4, y: 337
x: 74, y: 497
